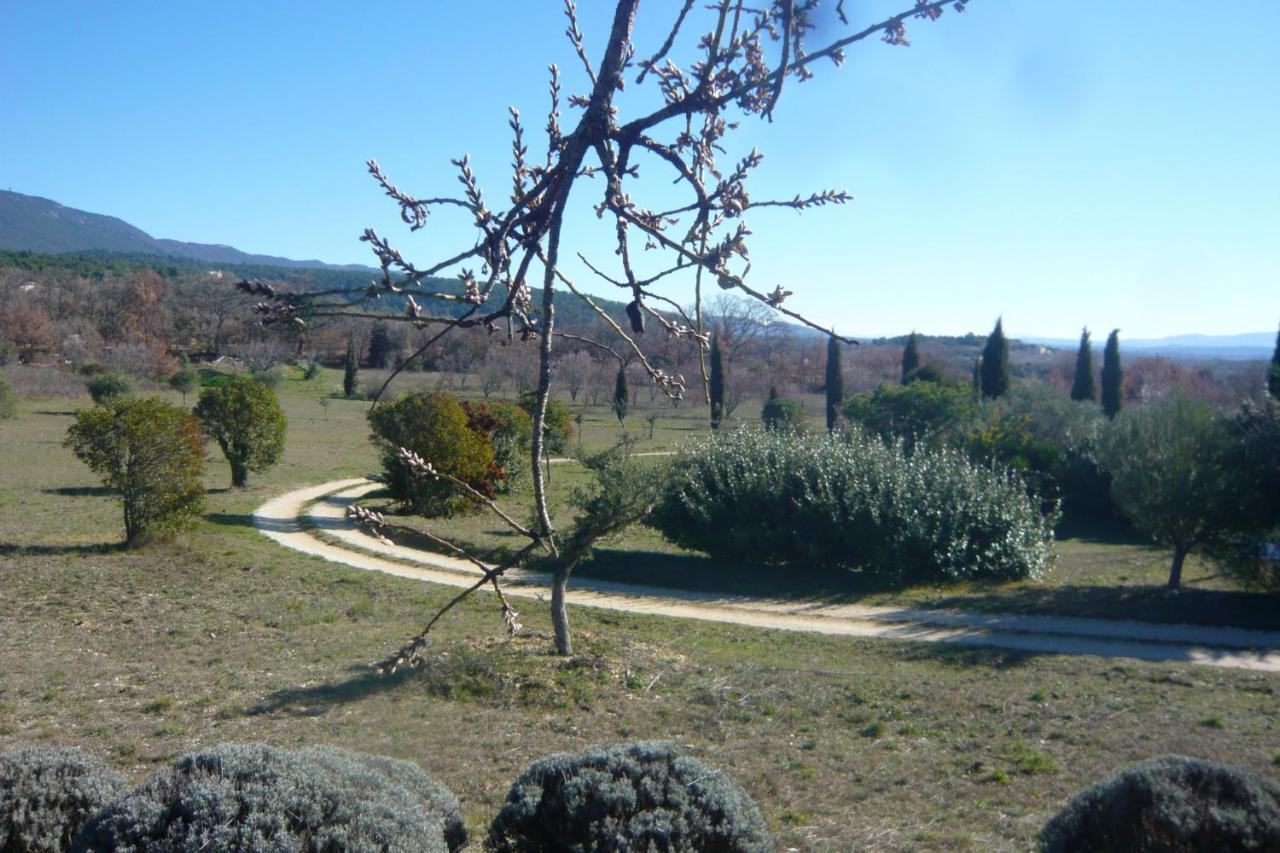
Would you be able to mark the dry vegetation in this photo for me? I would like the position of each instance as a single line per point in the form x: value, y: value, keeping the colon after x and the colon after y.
x: 142, y: 655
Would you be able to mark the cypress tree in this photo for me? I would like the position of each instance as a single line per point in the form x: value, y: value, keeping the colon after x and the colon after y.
x: 1084, y: 387
x: 350, y: 370
x: 717, y: 383
x: 621, y: 397
x: 835, y: 383
x: 977, y: 377
x: 380, y: 346
x: 1273, y: 378
x: 910, y: 358
x: 995, y: 363
x: 1112, y: 375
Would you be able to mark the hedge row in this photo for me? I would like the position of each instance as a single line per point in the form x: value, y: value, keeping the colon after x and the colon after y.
x: 642, y: 796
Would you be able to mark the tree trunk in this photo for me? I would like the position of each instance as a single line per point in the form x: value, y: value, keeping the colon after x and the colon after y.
x: 131, y: 530
x: 1175, y: 571
x: 239, y: 474
x: 559, y: 616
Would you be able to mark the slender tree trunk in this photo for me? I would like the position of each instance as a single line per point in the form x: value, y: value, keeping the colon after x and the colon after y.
x: 1175, y: 570
x: 560, y: 616
x: 239, y: 474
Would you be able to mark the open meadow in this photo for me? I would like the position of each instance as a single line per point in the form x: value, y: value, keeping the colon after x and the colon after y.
x: 143, y: 654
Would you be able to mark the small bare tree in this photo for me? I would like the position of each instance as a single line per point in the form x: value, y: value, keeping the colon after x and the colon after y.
x: 742, y: 57
x: 574, y: 370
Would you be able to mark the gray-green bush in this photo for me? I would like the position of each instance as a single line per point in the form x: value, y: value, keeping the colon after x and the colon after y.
x: 254, y: 797
x: 47, y: 794
x: 1170, y: 804
x: 435, y: 798
x: 853, y: 502
x: 112, y: 385
x: 641, y: 796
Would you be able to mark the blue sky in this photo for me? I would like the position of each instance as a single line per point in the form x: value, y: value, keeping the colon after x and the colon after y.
x: 1109, y: 164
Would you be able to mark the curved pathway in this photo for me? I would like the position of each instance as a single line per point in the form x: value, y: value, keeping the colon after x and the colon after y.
x: 297, y: 519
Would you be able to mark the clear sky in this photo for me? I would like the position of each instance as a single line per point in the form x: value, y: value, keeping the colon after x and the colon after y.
x: 1061, y: 164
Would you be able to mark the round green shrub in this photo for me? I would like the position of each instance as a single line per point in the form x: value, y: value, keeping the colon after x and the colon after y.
x: 244, y: 417
x: 781, y: 414
x: 254, y: 797
x: 1170, y: 804
x: 642, y: 796
x: 919, y: 413
x: 47, y: 794
x: 510, y: 431
x: 151, y: 453
x: 853, y: 502
x: 184, y: 382
x: 112, y: 385
x: 8, y: 400
x: 558, y: 421
x: 435, y: 427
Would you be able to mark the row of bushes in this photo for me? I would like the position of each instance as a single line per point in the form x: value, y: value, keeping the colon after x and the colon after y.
x: 854, y: 502
x: 151, y: 453
x: 641, y: 796
x: 1184, y: 474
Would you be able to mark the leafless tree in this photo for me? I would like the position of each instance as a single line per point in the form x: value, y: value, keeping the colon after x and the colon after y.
x: 742, y: 324
x: 574, y: 370
x: 745, y: 54
x: 262, y: 354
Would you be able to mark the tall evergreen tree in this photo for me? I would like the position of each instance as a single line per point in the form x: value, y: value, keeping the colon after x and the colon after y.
x: 621, y: 396
x: 352, y: 367
x: 1273, y: 378
x: 910, y: 358
x: 381, y: 346
x: 1084, y: 387
x: 835, y: 383
x: 1112, y: 375
x: 977, y: 377
x: 717, y: 383
x: 995, y: 363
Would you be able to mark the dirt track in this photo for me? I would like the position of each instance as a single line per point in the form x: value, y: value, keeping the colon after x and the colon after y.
x: 323, y: 508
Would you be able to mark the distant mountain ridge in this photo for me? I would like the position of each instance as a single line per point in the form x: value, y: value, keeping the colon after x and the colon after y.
x: 33, y: 224
x: 43, y: 226
x: 1247, y: 345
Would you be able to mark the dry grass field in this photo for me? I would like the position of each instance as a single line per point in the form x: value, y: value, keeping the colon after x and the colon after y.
x: 144, y: 654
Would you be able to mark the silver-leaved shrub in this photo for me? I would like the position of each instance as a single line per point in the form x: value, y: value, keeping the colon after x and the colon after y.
x: 853, y: 502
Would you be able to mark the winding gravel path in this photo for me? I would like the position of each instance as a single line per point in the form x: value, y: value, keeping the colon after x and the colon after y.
x: 295, y: 519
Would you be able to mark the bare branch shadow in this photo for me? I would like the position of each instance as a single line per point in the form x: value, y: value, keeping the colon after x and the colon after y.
x: 318, y: 699
x: 81, y: 491
x: 13, y: 549
x: 232, y: 519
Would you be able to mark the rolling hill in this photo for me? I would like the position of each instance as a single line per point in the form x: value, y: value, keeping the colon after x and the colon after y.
x: 32, y: 224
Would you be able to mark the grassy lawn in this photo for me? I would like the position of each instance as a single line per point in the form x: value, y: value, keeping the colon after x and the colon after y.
x: 142, y: 655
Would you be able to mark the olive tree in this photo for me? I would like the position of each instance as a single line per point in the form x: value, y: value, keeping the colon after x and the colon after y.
x: 1248, y: 548
x: 719, y: 63
x: 184, y: 382
x: 243, y: 416
x: 151, y: 453
x: 1167, y: 474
